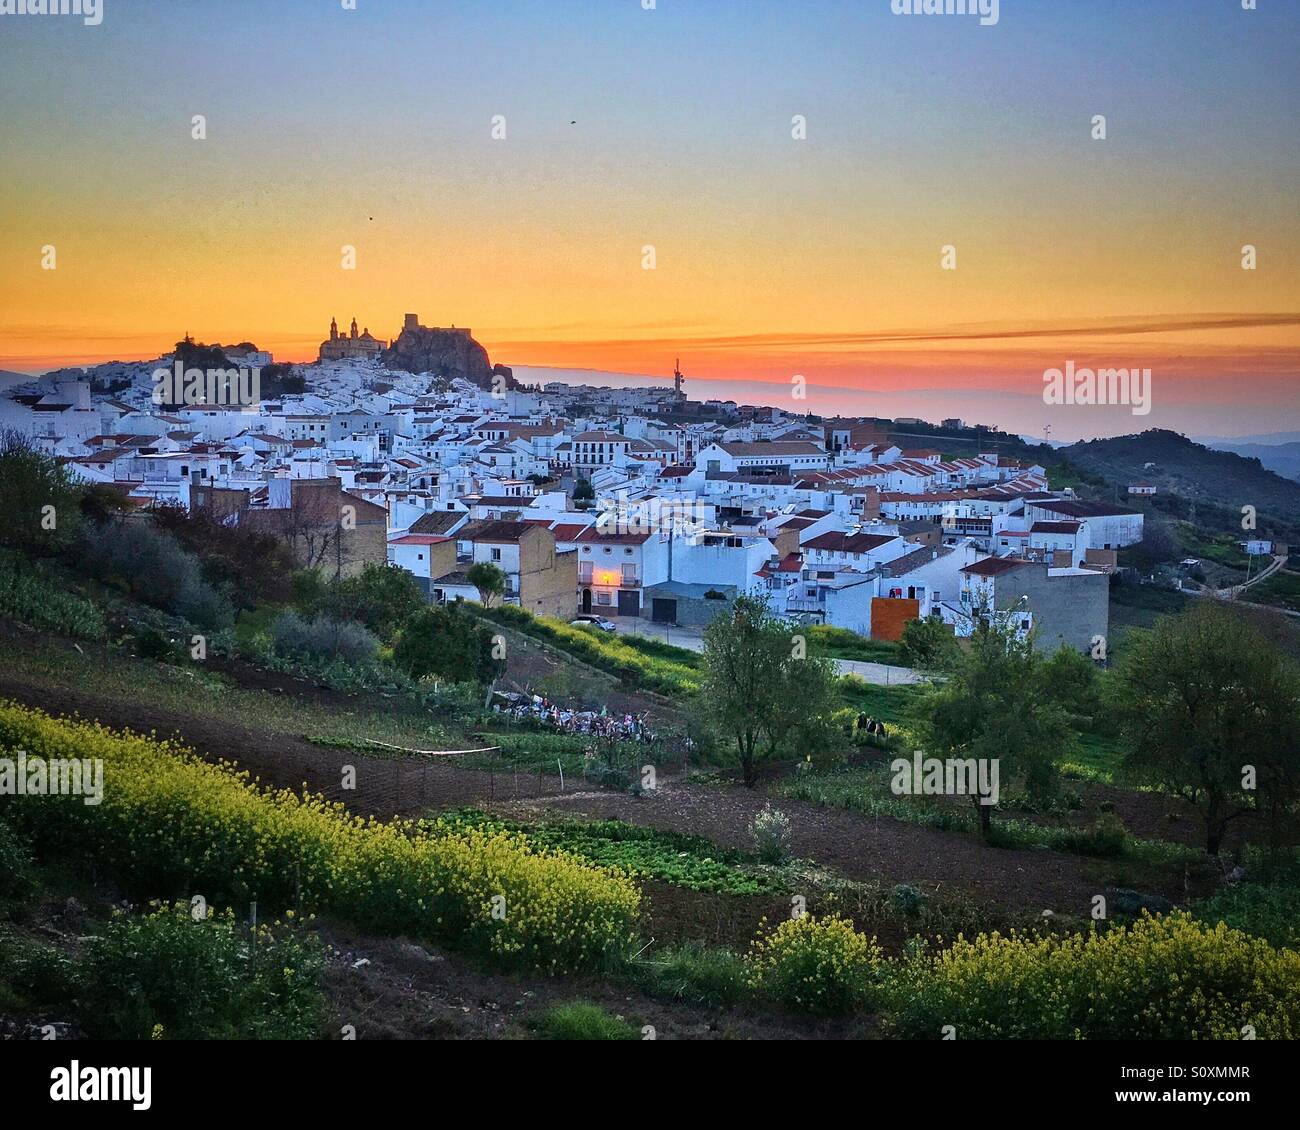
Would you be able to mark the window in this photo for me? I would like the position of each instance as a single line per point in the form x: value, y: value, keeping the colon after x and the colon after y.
x: 496, y: 554
x: 604, y: 598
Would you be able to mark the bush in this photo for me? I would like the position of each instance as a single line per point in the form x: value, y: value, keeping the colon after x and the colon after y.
x: 446, y: 643
x: 255, y: 565
x: 150, y: 643
x: 40, y: 974
x: 1268, y: 912
x: 1167, y: 978
x: 906, y: 899
x: 694, y: 974
x: 152, y: 567
x: 381, y: 597
x: 322, y: 638
x: 582, y: 1020
x: 817, y: 964
x: 168, y: 976
x: 170, y: 822
x: 16, y: 876
x: 30, y: 597
x: 30, y: 482
x: 771, y: 832
x: 1108, y: 837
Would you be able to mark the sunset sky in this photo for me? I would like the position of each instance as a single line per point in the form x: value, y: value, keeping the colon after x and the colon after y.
x: 672, y: 128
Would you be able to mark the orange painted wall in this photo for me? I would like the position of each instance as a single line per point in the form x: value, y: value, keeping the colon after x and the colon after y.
x: 889, y: 615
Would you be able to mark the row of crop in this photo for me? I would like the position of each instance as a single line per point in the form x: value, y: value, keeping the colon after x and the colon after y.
x: 635, y: 666
x: 1166, y: 978
x: 173, y: 825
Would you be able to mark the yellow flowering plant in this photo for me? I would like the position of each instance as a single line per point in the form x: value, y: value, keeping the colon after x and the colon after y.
x: 816, y: 964
x: 172, y: 824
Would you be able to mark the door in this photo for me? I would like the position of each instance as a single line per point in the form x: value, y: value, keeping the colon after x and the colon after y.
x: 663, y: 611
x: 629, y: 603
x: 586, y: 600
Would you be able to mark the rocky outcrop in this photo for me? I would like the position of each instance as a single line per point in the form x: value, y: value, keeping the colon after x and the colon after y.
x: 444, y: 353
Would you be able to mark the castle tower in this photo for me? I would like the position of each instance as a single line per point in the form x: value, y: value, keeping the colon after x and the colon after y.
x: 412, y: 322
x: 334, y: 329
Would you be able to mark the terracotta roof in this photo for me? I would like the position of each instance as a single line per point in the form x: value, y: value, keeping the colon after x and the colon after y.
x: 590, y: 536
x: 994, y: 566
x: 839, y: 542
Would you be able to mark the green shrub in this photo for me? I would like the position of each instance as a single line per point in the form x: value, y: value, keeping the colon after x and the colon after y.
x: 582, y: 1020
x: 906, y: 900
x: 381, y: 597
x: 818, y: 965
x: 38, y: 974
x: 1271, y: 912
x: 150, y: 565
x: 693, y: 973
x: 28, y: 596
x: 770, y: 830
x: 166, y: 975
x: 150, y: 643
x: 322, y: 638
x: 446, y: 643
x: 1166, y: 978
x: 16, y: 876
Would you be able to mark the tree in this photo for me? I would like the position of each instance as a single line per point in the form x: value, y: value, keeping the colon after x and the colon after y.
x: 382, y: 597
x: 489, y: 579
x: 761, y: 687
x: 584, y: 494
x: 447, y: 642
x: 993, y: 706
x: 252, y: 565
x: 1209, y: 709
x: 928, y: 644
x: 39, y: 500
x: 1073, y: 681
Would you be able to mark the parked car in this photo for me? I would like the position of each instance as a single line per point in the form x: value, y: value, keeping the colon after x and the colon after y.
x: 600, y: 622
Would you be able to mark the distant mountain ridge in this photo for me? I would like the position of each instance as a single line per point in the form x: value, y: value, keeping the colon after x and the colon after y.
x: 1189, y: 470
x: 1282, y: 456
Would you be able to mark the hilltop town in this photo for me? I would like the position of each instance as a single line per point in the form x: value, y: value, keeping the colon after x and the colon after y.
x: 638, y: 504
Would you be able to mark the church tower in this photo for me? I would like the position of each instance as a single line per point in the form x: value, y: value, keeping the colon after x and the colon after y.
x: 354, y: 327
x: 334, y: 329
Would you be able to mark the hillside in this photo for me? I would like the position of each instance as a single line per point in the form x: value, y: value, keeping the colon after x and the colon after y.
x: 1192, y: 472
x: 445, y: 353
x: 1280, y: 458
